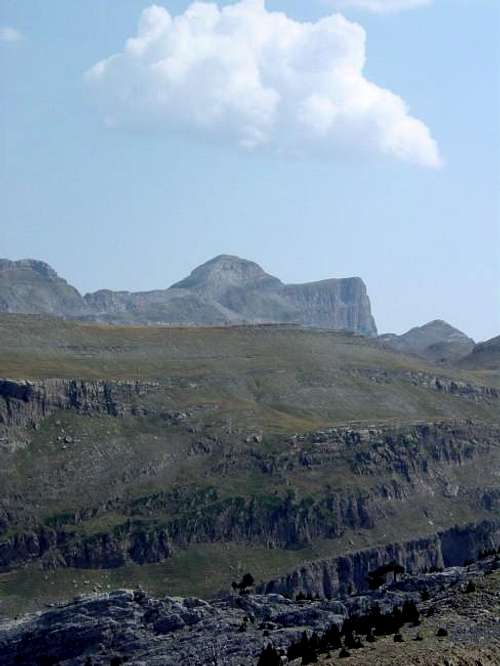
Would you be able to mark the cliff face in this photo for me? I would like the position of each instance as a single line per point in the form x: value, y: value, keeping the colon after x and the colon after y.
x: 388, y: 466
x: 225, y: 290
x: 24, y: 405
x: 333, y: 304
x: 348, y: 573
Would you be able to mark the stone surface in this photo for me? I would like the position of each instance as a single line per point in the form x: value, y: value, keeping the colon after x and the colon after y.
x: 349, y: 572
x: 134, y: 628
x: 224, y: 290
x: 34, y: 287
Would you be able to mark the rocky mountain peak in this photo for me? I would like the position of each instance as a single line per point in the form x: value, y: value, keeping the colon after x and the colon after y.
x: 225, y: 290
x: 33, y: 287
x: 224, y: 272
x: 437, y: 341
x: 35, y: 265
x: 441, y: 330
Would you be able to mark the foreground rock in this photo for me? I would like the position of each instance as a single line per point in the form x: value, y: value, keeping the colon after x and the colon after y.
x: 132, y: 627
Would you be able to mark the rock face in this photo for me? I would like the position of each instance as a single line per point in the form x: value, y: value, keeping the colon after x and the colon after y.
x: 25, y: 404
x: 436, y: 341
x: 224, y: 290
x: 133, y: 627
x: 34, y: 287
x: 452, y: 547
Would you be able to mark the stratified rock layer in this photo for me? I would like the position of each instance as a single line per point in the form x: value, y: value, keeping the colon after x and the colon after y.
x: 349, y: 572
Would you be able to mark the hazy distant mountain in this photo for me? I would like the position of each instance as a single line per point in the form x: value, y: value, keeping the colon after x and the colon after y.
x: 33, y: 287
x: 484, y: 356
x: 224, y: 290
x: 436, y: 341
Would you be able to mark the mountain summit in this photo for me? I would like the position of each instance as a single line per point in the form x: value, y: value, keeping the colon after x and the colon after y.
x: 436, y: 341
x: 224, y: 271
x: 224, y: 290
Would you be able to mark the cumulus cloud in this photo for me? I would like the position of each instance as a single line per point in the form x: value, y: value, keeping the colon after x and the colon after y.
x: 259, y: 79
x: 379, y: 6
x: 9, y: 35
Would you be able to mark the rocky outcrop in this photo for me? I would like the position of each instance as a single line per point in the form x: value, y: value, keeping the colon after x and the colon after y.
x: 413, y: 462
x: 348, y: 573
x: 225, y: 290
x: 440, y: 383
x: 273, y: 521
x: 133, y: 627
x: 24, y: 404
x: 454, y: 387
x: 162, y: 632
x: 99, y: 551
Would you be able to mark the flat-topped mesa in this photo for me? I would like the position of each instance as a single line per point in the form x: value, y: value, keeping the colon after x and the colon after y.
x: 335, y: 303
x: 224, y: 290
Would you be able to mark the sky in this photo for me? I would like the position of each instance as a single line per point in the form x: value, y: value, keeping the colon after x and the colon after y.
x: 327, y: 138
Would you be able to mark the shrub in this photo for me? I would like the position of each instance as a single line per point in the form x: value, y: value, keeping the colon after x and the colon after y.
x: 300, y: 649
x: 411, y: 613
x: 269, y: 657
x: 470, y: 587
x: 370, y: 637
x: 246, y: 582
x: 331, y: 638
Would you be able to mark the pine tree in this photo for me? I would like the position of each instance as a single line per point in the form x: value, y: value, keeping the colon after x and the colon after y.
x: 269, y: 656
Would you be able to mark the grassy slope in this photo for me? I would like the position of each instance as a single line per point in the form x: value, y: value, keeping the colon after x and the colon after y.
x: 275, y: 380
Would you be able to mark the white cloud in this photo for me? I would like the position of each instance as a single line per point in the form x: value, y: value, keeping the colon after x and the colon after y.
x: 10, y: 35
x: 379, y: 6
x: 257, y: 78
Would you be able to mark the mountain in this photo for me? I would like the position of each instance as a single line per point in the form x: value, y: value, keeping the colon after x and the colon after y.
x: 484, y: 356
x: 224, y: 290
x: 436, y: 341
x: 34, y: 287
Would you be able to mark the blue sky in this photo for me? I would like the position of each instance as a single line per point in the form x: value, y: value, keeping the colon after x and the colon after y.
x: 139, y: 205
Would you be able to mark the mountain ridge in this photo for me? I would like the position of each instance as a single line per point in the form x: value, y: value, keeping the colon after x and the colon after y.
x: 436, y: 341
x: 223, y: 290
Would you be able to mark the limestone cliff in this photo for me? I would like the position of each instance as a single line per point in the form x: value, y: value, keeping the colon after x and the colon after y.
x: 224, y: 290
x: 348, y: 573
